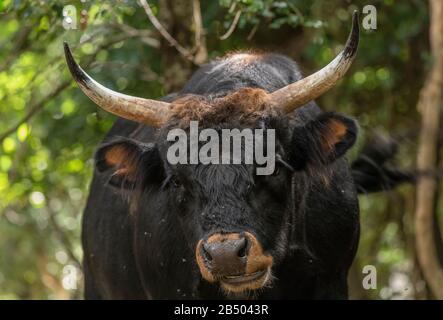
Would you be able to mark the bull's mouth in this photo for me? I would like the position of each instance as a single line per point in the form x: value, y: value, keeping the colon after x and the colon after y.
x: 241, y: 279
x: 251, y: 281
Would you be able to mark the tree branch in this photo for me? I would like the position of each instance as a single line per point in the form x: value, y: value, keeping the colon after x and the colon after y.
x: 35, y: 108
x: 144, y: 35
x: 232, y: 27
x: 200, y: 50
x: 19, y: 39
x: 165, y: 34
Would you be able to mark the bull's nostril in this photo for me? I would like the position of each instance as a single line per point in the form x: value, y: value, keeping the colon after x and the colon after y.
x: 243, y: 248
x: 206, y: 254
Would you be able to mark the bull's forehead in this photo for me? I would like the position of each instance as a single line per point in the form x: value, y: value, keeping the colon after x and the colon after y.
x: 245, y: 107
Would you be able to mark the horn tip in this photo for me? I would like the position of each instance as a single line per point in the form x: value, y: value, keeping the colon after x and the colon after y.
x: 67, y: 49
x: 77, y: 73
x: 355, y: 19
x: 354, y: 36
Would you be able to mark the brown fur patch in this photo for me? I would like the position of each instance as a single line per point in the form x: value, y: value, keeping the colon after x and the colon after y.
x: 259, y: 283
x: 116, y: 155
x: 219, y: 237
x: 336, y: 130
x: 241, y: 58
x: 257, y: 259
x: 246, y: 105
x: 120, y: 157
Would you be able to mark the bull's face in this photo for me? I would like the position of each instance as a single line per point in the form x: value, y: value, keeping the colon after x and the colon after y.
x: 236, y: 221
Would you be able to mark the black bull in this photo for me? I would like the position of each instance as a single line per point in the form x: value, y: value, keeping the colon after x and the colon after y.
x: 156, y: 230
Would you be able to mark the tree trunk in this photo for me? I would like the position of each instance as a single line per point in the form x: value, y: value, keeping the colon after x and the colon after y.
x: 429, y: 104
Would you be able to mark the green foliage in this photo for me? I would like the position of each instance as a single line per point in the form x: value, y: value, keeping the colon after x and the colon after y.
x: 45, y: 163
x: 275, y: 13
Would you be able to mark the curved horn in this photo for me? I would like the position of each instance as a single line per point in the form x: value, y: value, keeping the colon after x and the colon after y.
x: 299, y: 93
x: 147, y: 111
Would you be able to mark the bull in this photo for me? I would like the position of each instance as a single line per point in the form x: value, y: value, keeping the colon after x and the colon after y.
x: 153, y: 230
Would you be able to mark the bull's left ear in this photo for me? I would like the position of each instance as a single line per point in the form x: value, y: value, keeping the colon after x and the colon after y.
x: 322, y: 140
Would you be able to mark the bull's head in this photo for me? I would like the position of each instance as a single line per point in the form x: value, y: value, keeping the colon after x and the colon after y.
x: 236, y: 222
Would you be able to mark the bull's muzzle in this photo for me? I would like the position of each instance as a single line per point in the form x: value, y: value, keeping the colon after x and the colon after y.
x: 236, y: 260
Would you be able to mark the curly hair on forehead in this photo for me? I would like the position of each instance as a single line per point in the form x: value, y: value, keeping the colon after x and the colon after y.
x: 243, y: 107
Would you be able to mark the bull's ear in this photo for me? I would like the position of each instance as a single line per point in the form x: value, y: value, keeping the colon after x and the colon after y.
x: 322, y: 140
x: 129, y: 163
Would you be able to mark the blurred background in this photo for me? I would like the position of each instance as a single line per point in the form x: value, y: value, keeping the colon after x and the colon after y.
x: 49, y: 129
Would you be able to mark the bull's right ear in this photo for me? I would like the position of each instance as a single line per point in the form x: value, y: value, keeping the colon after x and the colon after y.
x: 130, y: 163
